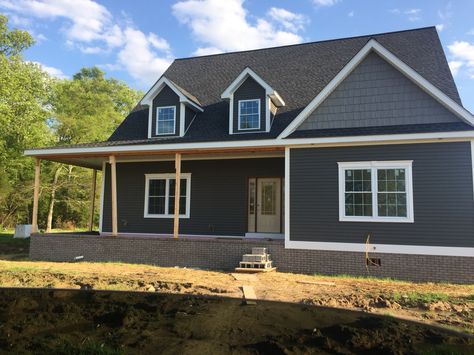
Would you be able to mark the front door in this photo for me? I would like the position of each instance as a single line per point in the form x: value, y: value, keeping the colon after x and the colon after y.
x: 268, y: 205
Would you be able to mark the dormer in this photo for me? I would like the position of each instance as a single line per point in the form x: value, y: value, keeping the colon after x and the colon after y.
x: 171, y: 109
x: 252, y: 103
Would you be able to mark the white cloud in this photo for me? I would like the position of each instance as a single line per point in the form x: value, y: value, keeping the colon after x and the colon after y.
x: 325, y: 2
x: 413, y: 14
x: 445, y: 16
x: 462, y: 53
x: 139, y: 58
x: 207, y: 51
x: 223, y: 26
x: 471, y: 32
x: 440, y: 26
x: 394, y: 11
x: 289, y: 20
x: 57, y: 73
x: 90, y: 28
x: 455, y: 65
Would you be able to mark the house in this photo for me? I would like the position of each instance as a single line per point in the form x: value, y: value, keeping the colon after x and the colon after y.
x: 342, y: 156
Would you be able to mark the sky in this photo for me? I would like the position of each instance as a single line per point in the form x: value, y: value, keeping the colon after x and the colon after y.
x: 135, y: 41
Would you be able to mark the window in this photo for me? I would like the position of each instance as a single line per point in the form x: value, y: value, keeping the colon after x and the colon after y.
x: 377, y: 191
x: 165, y: 120
x: 159, y: 195
x: 249, y: 114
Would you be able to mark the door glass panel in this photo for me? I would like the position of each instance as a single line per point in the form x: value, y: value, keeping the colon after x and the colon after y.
x: 268, y: 198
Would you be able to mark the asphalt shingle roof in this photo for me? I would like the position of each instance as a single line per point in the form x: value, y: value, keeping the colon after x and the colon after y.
x: 297, y: 72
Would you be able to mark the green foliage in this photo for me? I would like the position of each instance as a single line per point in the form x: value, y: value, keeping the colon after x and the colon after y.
x: 37, y: 110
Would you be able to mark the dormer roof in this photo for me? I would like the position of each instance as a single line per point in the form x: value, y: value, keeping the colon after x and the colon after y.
x: 184, y: 96
x: 248, y: 72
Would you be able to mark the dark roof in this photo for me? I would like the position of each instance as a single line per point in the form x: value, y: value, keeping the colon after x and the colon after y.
x: 187, y: 94
x: 297, y: 72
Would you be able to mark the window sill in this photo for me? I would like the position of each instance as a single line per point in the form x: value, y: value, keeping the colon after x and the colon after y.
x: 169, y: 216
x: 377, y: 219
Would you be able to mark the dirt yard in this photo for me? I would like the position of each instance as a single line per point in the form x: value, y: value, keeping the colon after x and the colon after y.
x: 69, y: 322
x: 441, y: 304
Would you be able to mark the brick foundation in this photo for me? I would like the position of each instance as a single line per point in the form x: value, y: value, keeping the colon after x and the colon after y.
x: 225, y: 254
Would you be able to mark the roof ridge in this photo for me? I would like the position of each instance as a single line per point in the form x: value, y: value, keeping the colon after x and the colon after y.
x: 307, y: 43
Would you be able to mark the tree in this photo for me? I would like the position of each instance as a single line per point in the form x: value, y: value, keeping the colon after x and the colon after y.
x: 24, y: 97
x: 85, y: 109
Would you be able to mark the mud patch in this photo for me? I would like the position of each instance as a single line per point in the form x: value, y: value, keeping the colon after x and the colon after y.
x: 47, y: 321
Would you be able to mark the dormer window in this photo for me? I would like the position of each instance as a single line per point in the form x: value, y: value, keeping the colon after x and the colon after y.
x: 165, y: 120
x: 249, y: 114
x: 253, y: 104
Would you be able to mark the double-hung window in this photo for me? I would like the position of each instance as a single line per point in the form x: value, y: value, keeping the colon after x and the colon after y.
x: 165, y: 120
x: 376, y: 191
x: 160, y: 195
x: 249, y: 114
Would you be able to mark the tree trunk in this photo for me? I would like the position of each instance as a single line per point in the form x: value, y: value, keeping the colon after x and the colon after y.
x: 49, y: 222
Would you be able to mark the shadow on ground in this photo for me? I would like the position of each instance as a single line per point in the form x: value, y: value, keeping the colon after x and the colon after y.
x: 13, y: 249
x: 43, y: 321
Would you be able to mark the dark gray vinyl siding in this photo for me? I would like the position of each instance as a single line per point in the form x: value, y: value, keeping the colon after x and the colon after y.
x: 442, y: 190
x: 218, y: 195
x: 188, y: 118
x: 250, y: 90
x: 376, y: 94
x: 166, y: 97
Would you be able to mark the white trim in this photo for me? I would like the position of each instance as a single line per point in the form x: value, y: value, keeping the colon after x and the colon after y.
x: 156, y: 121
x: 287, y: 195
x: 231, y: 114
x: 238, y: 115
x: 310, y: 142
x: 373, y: 166
x: 151, y: 94
x: 373, y: 45
x: 102, y: 197
x: 167, y: 177
x: 382, y: 248
x: 150, y: 122
x: 247, y: 72
x: 267, y: 116
x: 182, y: 118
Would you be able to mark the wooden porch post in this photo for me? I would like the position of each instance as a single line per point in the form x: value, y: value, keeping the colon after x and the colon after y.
x: 34, y: 219
x: 92, y: 201
x: 113, y: 170
x: 177, y: 188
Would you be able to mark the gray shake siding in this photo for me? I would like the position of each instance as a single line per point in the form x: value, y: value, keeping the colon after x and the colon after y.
x: 442, y: 190
x: 166, y: 97
x: 249, y: 90
x: 376, y: 94
x: 218, y: 195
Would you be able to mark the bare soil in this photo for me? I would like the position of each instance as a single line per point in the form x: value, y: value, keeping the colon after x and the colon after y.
x: 104, y: 322
x: 442, y: 304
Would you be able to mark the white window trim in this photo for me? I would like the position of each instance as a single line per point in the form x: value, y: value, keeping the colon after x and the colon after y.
x: 167, y: 177
x: 156, y: 120
x: 259, y: 114
x: 373, y: 166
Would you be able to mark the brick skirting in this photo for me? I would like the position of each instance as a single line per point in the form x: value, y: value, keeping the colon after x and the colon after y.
x: 225, y: 254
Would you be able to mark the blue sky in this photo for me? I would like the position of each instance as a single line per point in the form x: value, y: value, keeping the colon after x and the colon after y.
x: 136, y: 40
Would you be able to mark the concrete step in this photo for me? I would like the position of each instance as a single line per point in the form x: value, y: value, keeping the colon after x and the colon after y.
x: 259, y: 251
x: 256, y: 257
x: 255, y: 265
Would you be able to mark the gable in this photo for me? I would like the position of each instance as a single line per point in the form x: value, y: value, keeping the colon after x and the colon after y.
x: 249, y: 90
x: 166, y: 97
x: 376, y: 94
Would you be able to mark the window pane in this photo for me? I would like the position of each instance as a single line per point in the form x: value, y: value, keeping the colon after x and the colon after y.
x: 157, y: 187
x: 156, y: 205
x: 165, y: 120
x: 358, y: 198
x: 182, y: 200
x: 249, y: 114
x: 358, y: 204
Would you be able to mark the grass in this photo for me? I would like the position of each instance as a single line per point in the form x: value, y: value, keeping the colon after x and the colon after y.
x: 424, y: 297
x: 87, y: 348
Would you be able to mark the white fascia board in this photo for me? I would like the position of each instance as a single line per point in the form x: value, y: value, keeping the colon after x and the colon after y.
x: 247, y: 72
x: 375, y: 46
x: 294, y: 143
x: 155, y: 90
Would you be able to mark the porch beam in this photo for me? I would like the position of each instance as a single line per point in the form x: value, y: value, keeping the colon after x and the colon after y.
x: 92, y: 199
x: 177, y: 192
x: 113, y: 170
x: 34, y: 218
